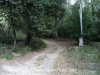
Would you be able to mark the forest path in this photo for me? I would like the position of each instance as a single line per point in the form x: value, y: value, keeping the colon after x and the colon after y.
x: 50, y: 61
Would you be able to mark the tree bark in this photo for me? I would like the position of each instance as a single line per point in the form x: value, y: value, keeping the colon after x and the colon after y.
x: 99, y: 13
x: 14, y: 45
x: 28, y: 39
x: 29, y: 36
x: 93, y: 9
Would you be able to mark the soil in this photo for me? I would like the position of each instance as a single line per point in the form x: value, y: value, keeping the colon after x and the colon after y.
x: 50, y: 61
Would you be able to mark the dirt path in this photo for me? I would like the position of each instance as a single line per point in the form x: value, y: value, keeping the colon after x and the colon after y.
x: 50, y: 61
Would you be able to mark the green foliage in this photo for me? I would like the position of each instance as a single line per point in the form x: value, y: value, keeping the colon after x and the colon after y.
x: 89, y: 26
x: 86, y: 53
x: 85, y: 58
x: 33, y: 17
x: 3, y: 21
x: 21, y: 50
x: 71, y: 24
x: 95, y: 44
x: 4, y: 40
x: 37, y: 44
x: 6, y: 51
x: 97, y: 65
x: 91, y: 52
x: 20, y: 36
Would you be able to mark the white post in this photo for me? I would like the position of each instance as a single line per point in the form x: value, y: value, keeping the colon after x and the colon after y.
x: 81, y: 26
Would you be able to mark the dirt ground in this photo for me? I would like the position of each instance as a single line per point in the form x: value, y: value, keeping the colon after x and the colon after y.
x: 50, y: 61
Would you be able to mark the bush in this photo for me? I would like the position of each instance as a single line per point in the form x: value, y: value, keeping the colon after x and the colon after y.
x: 91, y: 52
x: 20, y: 36
x: 86, y: 53
x: 6, y: 52
x: 37, y: 43
x: 21, y: 50
x: 8, y: 40
x: 84, y: 58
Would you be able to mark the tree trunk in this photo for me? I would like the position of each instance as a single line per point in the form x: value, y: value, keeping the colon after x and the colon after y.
x: 93, y: 9
x: 29, y: 36
x: 55, y: 27
x: 2, y: 31
x: 99, y: 13
x: 14, y: 45
x: 28, y: 39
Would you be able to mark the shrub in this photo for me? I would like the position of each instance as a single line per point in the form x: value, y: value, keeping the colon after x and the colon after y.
x: 85, y: 58
x: 21, y: 50
x: 6, y: 52
x: 37, y: 43
x: 91, y: 52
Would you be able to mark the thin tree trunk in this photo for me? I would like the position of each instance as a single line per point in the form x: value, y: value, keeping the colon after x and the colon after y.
x: 55, y: 27
x: 99, y: 13
x: 14, y: 45
x: 8, y: 34
x: 3, y: 32
x: 93, y: 9
x: 29, y: 36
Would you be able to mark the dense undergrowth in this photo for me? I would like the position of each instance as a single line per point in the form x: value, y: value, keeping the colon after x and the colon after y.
x: 7, y: 52
x: 37, y: 44
x: 86, y: 58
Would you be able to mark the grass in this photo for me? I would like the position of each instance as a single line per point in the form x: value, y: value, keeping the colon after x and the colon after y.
x: 97, y: 65
x: 84, y: 58
x: 6, y: 52
x: 21, y: 50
